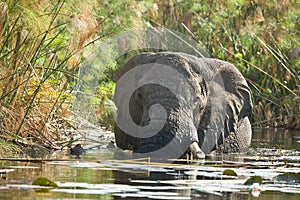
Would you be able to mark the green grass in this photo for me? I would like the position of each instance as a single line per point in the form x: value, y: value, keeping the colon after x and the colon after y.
x: 38, y: 59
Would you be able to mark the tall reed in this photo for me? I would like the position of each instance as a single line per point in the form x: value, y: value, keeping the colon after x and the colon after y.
x: 37, y: 65
x: 260, y: 37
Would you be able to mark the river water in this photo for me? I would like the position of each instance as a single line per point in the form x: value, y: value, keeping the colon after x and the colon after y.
x: 98, y: 175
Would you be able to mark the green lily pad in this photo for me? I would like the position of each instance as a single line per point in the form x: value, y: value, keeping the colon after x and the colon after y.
x: 229, y: 172
x: 44, y: 182
x: 253, y: 179
x: 289, y: 177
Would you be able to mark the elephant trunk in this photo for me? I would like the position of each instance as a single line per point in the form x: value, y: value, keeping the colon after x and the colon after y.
x: 177, y: 134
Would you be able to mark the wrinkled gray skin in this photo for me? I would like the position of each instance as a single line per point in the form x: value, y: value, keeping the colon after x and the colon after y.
x: 220, y: 106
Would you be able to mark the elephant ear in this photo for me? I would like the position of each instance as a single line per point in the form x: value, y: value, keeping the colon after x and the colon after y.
x: 237, y: 91
x: 229, y: 102
x: 124, y: 140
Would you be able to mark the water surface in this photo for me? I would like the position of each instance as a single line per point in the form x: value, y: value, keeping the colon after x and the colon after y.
x: 98, y: 175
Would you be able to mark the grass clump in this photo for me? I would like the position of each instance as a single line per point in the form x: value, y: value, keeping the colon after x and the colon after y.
x: 41, y: 47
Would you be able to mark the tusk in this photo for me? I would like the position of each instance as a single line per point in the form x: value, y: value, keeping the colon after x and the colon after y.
x: 196, y: 151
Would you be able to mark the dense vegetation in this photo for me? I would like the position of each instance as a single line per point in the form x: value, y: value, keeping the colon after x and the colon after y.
x: 42, y: 44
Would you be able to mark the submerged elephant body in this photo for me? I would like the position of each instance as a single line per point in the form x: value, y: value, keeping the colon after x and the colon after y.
x: 177, y: 102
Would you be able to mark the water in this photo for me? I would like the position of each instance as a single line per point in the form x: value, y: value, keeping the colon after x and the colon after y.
x: 97, y: 175
x: 276, y: 138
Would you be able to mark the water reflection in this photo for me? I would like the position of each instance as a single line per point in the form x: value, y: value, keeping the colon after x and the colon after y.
x: 156, y: 187
x: 100, y: 170
x: 276, y: 138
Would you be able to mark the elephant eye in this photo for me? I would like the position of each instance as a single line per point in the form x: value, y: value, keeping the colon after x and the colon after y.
x: 139, y: 94
x: 138, y: 97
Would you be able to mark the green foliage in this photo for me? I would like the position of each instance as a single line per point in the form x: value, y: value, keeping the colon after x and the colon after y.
x: 41, y: 46
x: 106, y: 109
x: 261, y: 38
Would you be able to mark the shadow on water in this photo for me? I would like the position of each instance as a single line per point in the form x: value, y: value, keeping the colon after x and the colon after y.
x: 97, y: 175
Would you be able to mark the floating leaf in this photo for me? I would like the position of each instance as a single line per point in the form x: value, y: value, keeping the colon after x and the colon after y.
x: 44, y: 182
x: 289, y: 177
x: 253, y: 179
x: 229, y: 172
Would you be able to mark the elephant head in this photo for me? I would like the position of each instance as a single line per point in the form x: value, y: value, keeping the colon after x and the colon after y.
x: 170, y: 103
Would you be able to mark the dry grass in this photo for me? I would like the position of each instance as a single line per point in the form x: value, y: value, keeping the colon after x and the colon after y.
x: 37, y: 58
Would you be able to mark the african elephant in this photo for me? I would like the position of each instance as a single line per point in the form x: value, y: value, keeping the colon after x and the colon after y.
x: 169, y: 104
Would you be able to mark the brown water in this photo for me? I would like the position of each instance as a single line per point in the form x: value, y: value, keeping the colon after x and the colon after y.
x: 97, y: 175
